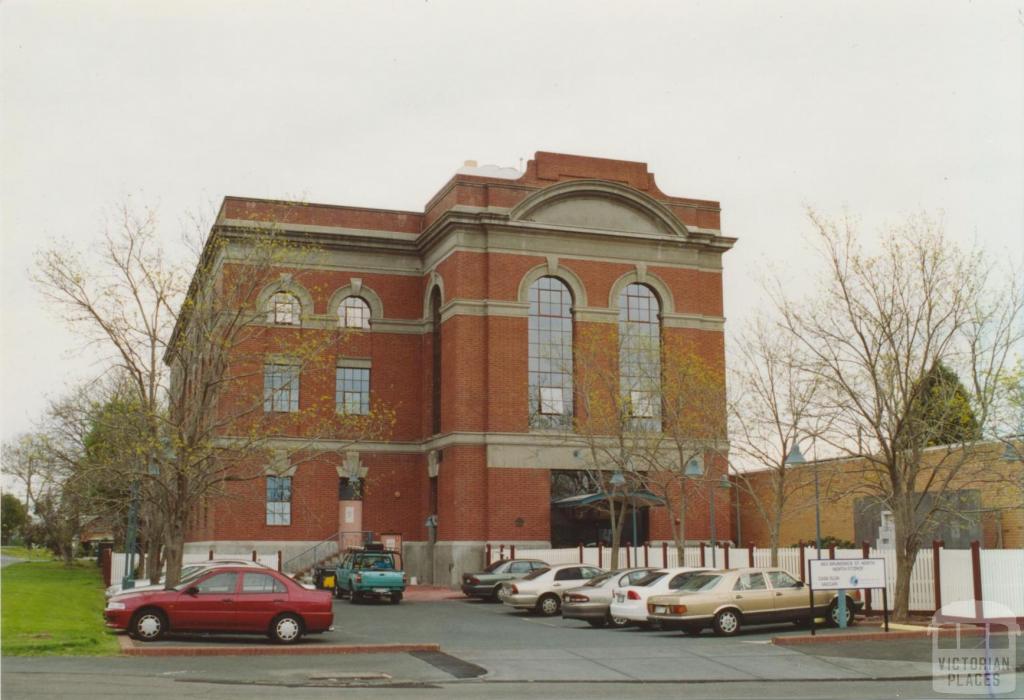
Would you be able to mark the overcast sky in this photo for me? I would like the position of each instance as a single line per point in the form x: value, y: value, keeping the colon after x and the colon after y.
x: 883, y: 108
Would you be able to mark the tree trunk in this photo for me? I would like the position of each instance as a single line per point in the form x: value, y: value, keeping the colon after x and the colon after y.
x: 174, y: 550
x: 154, y: 561
x: 906, y: 555
x: 773, y: 542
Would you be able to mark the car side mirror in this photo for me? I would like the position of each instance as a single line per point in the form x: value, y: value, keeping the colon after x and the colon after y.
x: 192, y: 590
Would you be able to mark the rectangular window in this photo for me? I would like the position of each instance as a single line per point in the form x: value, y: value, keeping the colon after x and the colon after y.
x: 352, y: 390
x: 280, y: 388
x: 551, y: 401
x: 279, y: 500
x: 641, y: 404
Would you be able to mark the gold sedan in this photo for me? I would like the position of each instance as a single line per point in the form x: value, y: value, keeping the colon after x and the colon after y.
x: 727, y: 600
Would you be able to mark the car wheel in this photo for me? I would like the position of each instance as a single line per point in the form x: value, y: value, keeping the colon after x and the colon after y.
x: 286, y: 629
x: 549, y: 605
x: 598, y: 623
x: 617, y: 621
x: 338, y: 593
x: 148, y: 625
x: 727, y: 623
x: 396, y: 598
x: 692, y: 630
x: 833, y: 614
x: 500, y: 594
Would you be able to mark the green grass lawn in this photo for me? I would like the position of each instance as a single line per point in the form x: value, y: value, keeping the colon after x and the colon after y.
x: 49, y: 609
x: 37, y: 554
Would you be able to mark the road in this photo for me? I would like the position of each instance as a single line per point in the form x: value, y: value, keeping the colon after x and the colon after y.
x: 490, y: 650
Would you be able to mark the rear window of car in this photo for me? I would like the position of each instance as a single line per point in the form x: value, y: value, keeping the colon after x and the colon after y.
x: 598, y: 580
x: 382, y: 562
x: 495, y: 565
x: 536, y: 573
x: 700, y: 582
x: 650, y: 578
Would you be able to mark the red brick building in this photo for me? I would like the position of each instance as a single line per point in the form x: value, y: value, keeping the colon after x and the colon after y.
x: 464, y: 317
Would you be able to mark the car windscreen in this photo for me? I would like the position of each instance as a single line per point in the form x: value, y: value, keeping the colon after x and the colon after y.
x: 494, y: 566
x: 535, y: 573
x: 189, y: 579
x: 600, y: 579
x: 699, y: 582
x: 651, y: 578
x: 381, y: 562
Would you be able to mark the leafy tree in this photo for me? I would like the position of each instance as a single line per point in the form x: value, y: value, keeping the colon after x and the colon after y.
x: 13, y: 517
x: 942, y: 409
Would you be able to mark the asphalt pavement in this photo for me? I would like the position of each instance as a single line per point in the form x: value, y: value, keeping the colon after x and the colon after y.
x: 489, y: 649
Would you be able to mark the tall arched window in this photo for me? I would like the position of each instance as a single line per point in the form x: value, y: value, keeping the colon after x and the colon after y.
x: 640, y: 355
x: 284, y: 309
x: 354, y: 313
x: 435, y: 394
x: 550, y: 354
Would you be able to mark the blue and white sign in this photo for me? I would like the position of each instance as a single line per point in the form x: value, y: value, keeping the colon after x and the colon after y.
x: 836, y: 574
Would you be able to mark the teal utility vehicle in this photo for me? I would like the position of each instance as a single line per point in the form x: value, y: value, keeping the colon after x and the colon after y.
x: 370, y: 572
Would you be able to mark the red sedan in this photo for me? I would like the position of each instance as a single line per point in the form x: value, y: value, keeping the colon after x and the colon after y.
x: 225, y: 599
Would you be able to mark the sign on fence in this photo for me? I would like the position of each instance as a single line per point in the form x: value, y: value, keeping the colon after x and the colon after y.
x: 836, y: 574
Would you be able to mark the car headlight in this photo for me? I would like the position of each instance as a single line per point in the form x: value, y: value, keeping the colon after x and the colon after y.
x: 114, y: 605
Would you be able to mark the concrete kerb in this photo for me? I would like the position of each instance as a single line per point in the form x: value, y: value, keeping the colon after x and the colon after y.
x: 868, y: 634
x: 130, y: 648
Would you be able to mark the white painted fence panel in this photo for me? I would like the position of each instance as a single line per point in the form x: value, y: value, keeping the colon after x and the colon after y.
x: 1008, y: 588
x: 1002, y: 571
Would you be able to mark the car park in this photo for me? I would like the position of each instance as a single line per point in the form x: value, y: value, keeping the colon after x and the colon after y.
x: 231, y: 599
x: 629, y: 602
x: 728, y: 600
x: 591, y: 601
x: 486, y: 584
x: 541, y: 589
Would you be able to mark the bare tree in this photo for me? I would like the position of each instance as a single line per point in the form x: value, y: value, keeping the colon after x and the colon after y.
x: 770, y: 410
x: 195, y: 353
x: 683, y: 451
x: 878, y: 326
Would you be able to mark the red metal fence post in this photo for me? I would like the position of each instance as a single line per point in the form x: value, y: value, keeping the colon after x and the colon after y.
x: 664, y: 555
x: 725, y: 547
x: 831, y: 551
x: 937, y: 546
x: 487, y: 554
x: 280, y: 561
x: 580, y: 547
x: 750, y: 555
x: 803, y: 573
x: 512, y: 551
x: 600, y: 556
x: 628, y: 565
x: 702, y: 554
x: 647, y: 561
x: 211, y: 555
x: 254, y: 557
x: 976, y: 570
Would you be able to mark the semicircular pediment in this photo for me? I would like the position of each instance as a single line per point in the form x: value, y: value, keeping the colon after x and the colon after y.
x: 598, y: 205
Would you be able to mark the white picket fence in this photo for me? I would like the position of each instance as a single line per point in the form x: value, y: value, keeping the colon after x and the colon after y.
x: 1002, y: 570
x: 119, y: 561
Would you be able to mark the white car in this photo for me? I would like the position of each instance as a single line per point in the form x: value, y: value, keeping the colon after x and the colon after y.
x: 142, y: 584
x: 541, y: 589
x: 630, y: 602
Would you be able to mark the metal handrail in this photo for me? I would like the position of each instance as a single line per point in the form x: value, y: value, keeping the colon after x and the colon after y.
x: 322, y: 550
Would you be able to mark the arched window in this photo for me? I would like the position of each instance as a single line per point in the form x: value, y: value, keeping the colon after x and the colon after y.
x: 435, y: 393
x: 354, y: 313
x: 284, y: 309
x: 640, y: 355
x: 550, y: 354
